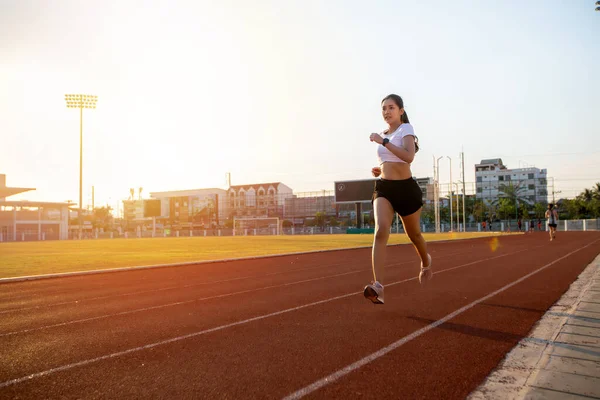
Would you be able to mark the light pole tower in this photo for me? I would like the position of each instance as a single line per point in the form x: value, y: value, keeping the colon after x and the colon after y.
x: 81, y: 101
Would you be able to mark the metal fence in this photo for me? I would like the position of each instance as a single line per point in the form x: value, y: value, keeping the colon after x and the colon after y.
x: 497, y: 226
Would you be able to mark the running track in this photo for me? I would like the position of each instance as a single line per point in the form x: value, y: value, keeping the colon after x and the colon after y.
x: 285, y: 326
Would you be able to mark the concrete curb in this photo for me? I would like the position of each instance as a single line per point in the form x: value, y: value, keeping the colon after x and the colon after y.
x: 526, y: 373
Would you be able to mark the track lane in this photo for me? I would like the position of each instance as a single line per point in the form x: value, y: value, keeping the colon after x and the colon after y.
x: 294, y: 335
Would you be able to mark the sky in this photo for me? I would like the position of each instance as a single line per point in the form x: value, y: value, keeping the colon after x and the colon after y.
x: 289, y: 91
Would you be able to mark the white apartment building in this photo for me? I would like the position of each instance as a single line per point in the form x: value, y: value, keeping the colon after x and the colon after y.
x: 492, y: 174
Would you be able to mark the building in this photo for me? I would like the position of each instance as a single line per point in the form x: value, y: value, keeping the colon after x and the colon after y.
x: 192, y: 208
x: 426, y: 185
x: 198, y: 208
x: 304, y: 206
x: 257, y: 200
x: 491, y: 175
x: 31, y: 220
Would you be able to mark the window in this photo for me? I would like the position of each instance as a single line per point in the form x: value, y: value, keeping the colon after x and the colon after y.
x: 479, y: 190
x: 529, y: 176
x: 479, y: 179
x: 501, y: 178
x: 531, y: 187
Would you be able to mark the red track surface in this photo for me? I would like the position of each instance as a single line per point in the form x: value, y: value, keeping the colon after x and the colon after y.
x: 92, y: 336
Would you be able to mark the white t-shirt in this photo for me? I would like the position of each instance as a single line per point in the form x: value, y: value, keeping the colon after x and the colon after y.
x: 383, y: 154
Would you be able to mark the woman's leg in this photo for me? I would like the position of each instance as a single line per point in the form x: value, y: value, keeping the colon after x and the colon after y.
x: 384, y: 215
x: 412, y: 226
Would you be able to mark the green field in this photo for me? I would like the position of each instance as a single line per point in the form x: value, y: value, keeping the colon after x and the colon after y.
x: 39, y: 258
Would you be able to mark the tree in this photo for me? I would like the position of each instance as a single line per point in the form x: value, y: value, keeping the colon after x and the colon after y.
x: 506, y: 208
x: 428, y: 214
x: 513, y: 193
x: 524, y: 209
x: 320, y: 219
x: 102, y: 218
x: 477, y: 211
x: 540, y: 209
x: 596, y: 191
x: 587, y: 195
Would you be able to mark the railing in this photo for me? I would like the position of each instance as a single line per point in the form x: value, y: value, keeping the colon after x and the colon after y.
x: 496, y: 226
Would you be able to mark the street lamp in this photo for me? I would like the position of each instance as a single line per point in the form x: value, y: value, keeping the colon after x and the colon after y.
x: 451, y: 218
x: 80, y: 101
x: 437, y: 197
x: 457, y: 207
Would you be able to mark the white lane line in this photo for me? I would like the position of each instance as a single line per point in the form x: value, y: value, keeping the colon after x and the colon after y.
x: 79, y: 301
x: 199, y: 299
x: 167, y: 288
x: 218, y: 328
x: 175, y: 304
x: 360, y: 363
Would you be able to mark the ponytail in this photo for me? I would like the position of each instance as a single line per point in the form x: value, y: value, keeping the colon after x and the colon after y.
x: 404, y: 118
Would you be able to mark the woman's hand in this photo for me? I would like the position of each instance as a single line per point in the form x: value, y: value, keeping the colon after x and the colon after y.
x: 376, y: 171
x: 375, y: 137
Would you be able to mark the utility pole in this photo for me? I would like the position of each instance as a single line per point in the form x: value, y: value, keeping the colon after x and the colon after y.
x: 436, y: 182
x: 451, y: 216
x: 462, y: 154
x: 435, y: 204
x: 554, y: 191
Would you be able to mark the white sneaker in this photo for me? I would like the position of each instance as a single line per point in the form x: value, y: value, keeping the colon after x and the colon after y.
x: 426, y: 273
x: 374, y: 292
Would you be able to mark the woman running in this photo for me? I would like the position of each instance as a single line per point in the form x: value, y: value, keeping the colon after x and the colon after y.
x: 395, y: 192
x: 552, y: 217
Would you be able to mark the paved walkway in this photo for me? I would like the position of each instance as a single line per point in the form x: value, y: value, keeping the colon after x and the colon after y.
x: 561, y: 358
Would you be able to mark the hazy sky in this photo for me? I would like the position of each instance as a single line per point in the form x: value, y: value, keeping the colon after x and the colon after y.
x: 289, y: 91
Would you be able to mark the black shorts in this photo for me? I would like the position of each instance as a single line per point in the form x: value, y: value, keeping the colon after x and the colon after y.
x: 404, y: 195
x: 552, y: 225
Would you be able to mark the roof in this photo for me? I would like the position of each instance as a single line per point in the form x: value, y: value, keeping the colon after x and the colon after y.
x: 275, y: 184
x: 186, y: 192
x: 493, y: 161
x: 26, y: 203
x: 11, y: 191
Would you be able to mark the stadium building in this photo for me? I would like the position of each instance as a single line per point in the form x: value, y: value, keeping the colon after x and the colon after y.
x: 22, y: 220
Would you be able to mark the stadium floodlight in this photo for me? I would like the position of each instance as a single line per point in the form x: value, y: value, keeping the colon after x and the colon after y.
x: 81, y: 101
x: 598, y: 6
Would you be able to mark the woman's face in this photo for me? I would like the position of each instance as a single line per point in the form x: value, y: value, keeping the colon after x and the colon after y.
x: 390, y: 112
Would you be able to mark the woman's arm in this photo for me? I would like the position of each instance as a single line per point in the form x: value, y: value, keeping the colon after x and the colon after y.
x: 405, y: 152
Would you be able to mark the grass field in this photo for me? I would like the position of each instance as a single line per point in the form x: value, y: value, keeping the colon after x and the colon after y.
x: 39, y: 258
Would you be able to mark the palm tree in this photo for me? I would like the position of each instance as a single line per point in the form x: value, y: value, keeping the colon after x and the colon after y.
x: 596, y: 191
x: 513, y: 193
x: 587, y: 195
